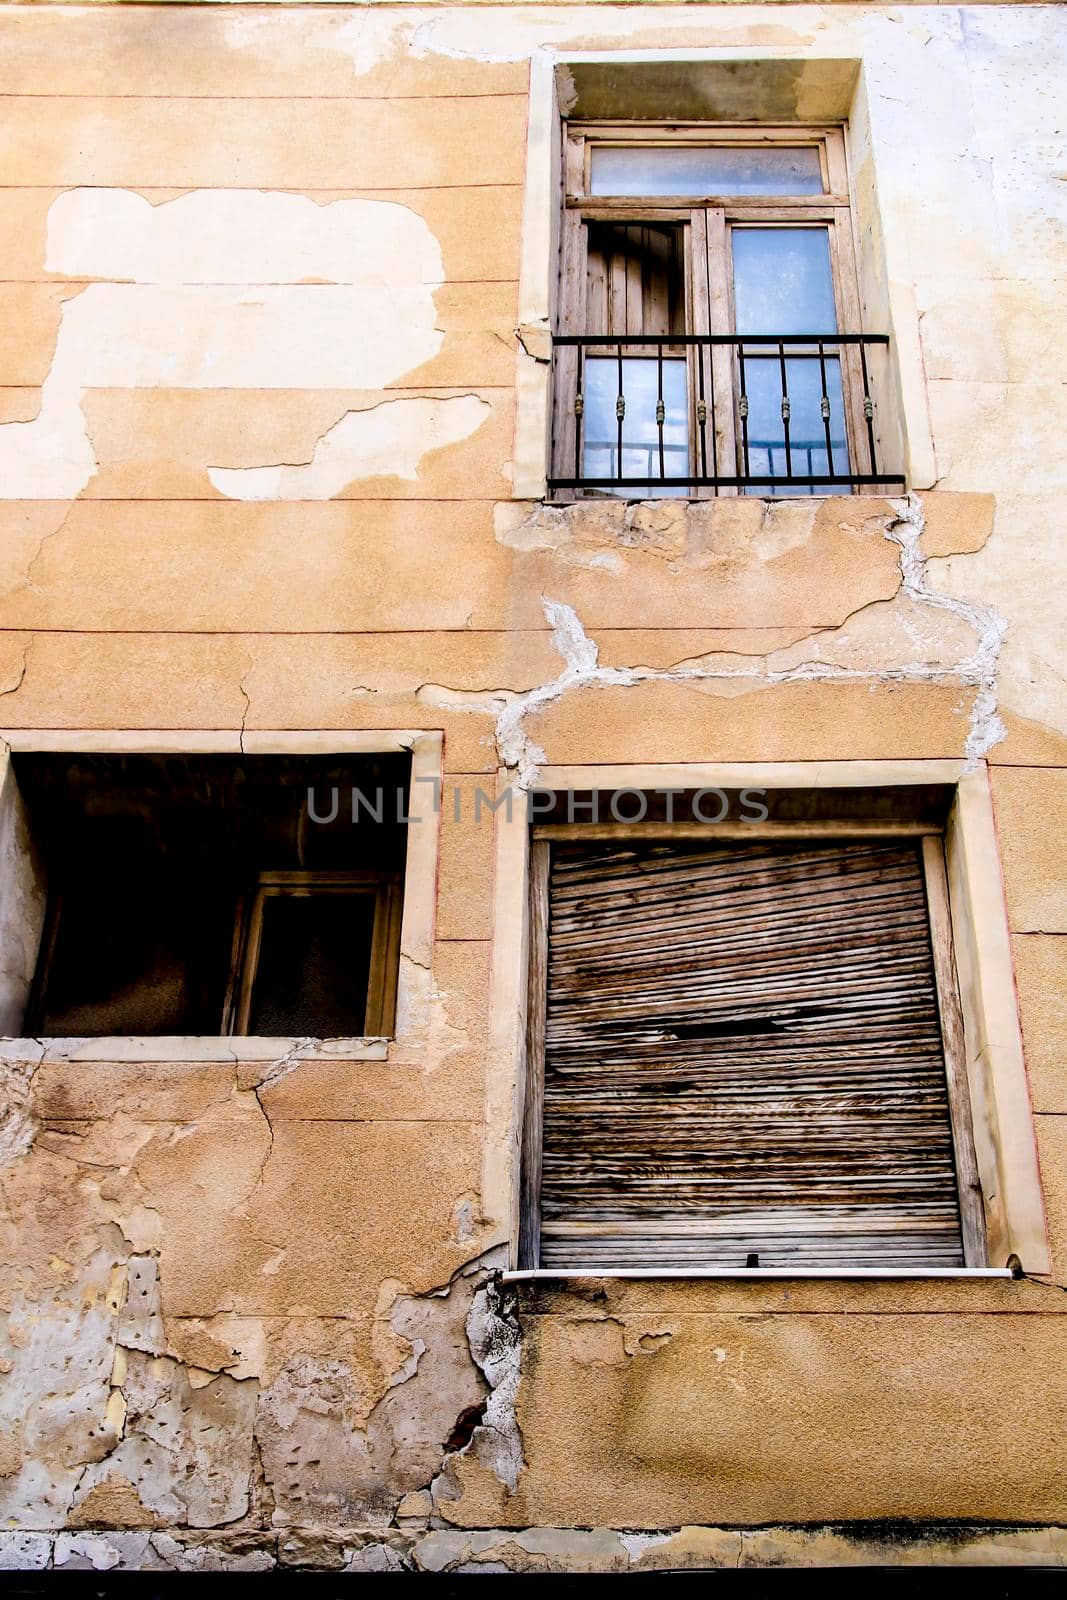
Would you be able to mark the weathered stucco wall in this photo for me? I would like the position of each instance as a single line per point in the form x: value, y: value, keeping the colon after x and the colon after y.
x: 258, y: 285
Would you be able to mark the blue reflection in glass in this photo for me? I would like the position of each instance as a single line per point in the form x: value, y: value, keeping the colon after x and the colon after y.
x: 782, y: 281
x: 783, y: 285
x: 807, y: 435
x: 640, y: 434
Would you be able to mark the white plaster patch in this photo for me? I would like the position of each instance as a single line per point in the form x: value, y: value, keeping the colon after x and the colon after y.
x: 24, y: 1552
x: 387, y: 440
x: 222, y: 289
x: 18, y: 1125
x: 239, y: 236
x: 100, y: 1552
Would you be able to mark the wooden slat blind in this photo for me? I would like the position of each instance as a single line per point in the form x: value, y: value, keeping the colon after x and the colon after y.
x: 743, y: 1056
x: 635, y: 278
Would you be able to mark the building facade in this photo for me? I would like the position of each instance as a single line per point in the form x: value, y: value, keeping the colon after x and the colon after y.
x: 533, y: 904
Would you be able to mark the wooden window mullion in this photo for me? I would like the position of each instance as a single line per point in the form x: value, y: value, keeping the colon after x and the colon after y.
x: 723, y: 361
x: 565, y: 358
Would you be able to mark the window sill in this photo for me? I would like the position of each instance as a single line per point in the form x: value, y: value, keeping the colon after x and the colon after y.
x: 171, y: 1047
x: 548, y: 1275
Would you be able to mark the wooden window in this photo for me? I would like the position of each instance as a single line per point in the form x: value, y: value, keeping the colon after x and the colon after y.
x: 709, y: 233
x: 316, y: 954
x: 745, y: 1054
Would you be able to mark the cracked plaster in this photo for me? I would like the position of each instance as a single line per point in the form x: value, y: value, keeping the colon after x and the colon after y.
x: 899, y: 642
x: 389, y: 439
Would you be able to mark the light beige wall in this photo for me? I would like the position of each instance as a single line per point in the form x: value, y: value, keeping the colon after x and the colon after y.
x: 259, y: 275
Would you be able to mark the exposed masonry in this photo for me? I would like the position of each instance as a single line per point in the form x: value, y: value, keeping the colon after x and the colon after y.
x: 582, y: 670
x: 155, y: 1422
x: 538, y: 1549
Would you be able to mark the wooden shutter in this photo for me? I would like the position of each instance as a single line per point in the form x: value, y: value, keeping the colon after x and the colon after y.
x: 635, y: 278
x: 743, y: 1056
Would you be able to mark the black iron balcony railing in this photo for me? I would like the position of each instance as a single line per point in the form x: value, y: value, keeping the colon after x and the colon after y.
x: 675, y: 412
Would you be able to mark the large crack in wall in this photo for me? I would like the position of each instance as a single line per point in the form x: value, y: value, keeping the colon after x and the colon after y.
x: 874, y: 644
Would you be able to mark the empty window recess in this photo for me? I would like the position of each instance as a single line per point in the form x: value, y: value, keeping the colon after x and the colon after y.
x: 747, y: 1056
x: 207, y: 895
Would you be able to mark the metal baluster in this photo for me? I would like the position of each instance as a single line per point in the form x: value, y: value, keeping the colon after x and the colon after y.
x: 661, y: 410
x: 868, y: 409
x: 702, y: 414
x: 579, y: 413
x: 620, y: 412
x: 785, y: 412
x: 824, y: 407
x: 709, y: 351
x: 742, y: 407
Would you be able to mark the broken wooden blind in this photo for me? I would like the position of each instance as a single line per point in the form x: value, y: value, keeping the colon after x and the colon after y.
x: 635, y: 284
x: 743, y: 1060
x: 635, y: 278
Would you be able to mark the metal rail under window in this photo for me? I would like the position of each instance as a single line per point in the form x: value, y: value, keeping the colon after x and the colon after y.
x: 755, y: 1274
x: 646, y: 411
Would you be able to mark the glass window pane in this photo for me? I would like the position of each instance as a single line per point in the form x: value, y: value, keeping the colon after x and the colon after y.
x: 640, y: 433
x: 807, y: 434
x: 782, y: 281
x: 705, y: 170
x: 314, y: 964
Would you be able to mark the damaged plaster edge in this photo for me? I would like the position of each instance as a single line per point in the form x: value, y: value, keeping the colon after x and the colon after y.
x: 494, y: 1336
x: 177, y: 1047
x: 582, y: 669
x: 986, y: 726
x: 389, y: 439
x: 18, y: 1124
x: 539, y: 1548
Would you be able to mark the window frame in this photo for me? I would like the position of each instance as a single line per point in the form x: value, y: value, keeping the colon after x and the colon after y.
x: 707, y: 222
x: 385, y: 888
x: 22, y: 906
x: 997, y: 1082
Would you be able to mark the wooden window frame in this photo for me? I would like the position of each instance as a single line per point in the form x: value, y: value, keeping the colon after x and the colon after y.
x: 385, y: 889
x: 707, y: 222
x: 935, y: 875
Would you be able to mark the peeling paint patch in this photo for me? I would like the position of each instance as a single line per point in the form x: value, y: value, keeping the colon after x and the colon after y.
x: 496, y: 1345
x: 333, y: 1450
x: 239, y: 236
x: 18, y: 1126
x: 387, y: 440
x: 221, y: 289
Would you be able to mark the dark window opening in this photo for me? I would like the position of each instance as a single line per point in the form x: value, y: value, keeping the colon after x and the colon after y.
x: 204, y: 895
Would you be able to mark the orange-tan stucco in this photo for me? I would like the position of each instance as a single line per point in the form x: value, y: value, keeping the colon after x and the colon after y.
x: 259, y: 281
